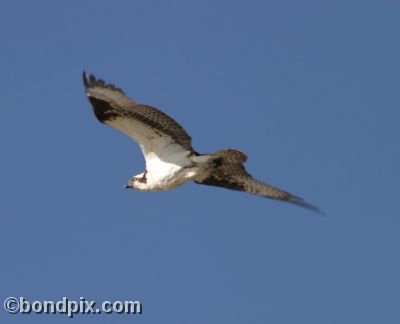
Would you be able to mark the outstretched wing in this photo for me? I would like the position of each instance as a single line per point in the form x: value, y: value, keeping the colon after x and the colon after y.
x: 231, y: 174
x: 154, y: 131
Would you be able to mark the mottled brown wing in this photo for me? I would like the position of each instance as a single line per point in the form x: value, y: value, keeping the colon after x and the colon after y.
x: 146, y: 125
x: 231, y: 174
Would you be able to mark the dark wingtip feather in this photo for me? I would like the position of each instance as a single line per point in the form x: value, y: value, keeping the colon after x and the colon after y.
x: 89, y: 80
x: 85, y: 79
x: 298, y: 201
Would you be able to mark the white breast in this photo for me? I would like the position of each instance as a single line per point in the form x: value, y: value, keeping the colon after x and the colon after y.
x: 165, y: 175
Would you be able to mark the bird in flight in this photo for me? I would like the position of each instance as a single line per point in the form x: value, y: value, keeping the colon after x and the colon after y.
x: 170, y: 158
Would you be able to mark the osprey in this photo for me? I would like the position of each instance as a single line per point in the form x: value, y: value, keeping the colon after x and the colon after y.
x: 170, y: 158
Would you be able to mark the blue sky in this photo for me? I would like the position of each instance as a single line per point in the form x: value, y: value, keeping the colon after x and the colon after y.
x: 309, y: 90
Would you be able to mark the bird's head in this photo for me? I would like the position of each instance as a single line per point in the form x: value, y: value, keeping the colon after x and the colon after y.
x: 138, y: 182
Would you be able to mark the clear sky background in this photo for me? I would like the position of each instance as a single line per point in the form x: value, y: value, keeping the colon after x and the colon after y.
x: 309, y: 90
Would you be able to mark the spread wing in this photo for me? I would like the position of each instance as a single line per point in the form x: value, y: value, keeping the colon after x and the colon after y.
x: 154, y: 131
x: 231, y: 174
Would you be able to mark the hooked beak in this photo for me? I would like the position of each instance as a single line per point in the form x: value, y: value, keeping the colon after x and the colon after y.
x: 127, y: 186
